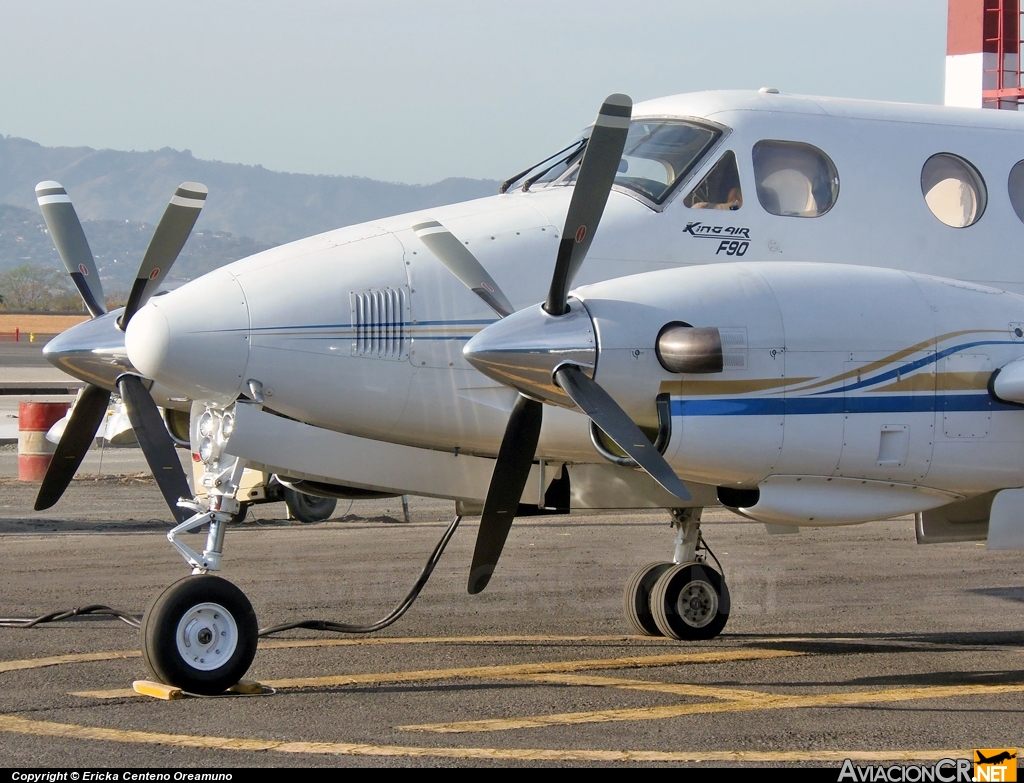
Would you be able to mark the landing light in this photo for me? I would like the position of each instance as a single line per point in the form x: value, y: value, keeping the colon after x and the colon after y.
x: 227, y: 426
x: 206, y: 424
x: 206, y: 449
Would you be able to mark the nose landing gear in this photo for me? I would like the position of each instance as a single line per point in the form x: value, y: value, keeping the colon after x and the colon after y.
x: 686, y: 599
x: 200, y: 633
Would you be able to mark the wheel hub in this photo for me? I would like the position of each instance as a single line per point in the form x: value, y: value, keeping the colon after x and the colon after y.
x: 207, y: 636
x: 697, y: 604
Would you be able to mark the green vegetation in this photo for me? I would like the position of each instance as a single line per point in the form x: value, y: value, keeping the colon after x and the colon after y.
x: 39, y: 288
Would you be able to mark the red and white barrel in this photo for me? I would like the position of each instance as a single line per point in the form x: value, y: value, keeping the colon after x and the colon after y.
x: 34, y: 451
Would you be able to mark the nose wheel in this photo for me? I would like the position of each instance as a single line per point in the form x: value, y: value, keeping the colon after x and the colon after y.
x: 199, y: 635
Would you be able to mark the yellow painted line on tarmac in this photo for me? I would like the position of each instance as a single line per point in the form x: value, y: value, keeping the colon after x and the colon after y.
x: 58, y: 660
x: 651, y: 686
x: 277, y: 644
x: 767, y: 702
x: 516, y: 670
x: 502, y: 672
x: 16, y: 725
x: 676, y: 689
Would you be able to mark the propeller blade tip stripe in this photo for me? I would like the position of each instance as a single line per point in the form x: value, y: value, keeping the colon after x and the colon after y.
x: 191, y: 203
x: 428, y: 227
x: 606, y: 121
x: 49, y: 185
x: 479, y: 578
x: 194, y: 189
x: 615, y: 112
x: 55, y: 198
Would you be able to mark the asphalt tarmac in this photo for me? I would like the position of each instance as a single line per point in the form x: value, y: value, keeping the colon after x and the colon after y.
x: 849, y: 642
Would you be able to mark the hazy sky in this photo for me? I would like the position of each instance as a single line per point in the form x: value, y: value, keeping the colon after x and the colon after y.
x: 418, y: 91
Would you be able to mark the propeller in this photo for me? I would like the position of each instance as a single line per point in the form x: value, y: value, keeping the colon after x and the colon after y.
x: 72, y: 246
x: 156, y: 443
x: 518, y: 350
x: 170, y: 236
x: 86, y: 418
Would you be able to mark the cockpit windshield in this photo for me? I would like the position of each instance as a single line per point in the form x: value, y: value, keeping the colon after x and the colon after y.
x: 658, y: 155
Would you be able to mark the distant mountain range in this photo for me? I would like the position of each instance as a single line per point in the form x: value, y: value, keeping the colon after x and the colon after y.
x: 251, y: 201
x: 120, y: 196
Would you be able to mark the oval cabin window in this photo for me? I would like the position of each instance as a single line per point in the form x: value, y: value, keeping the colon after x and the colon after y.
x: 1016, y: 187
x: 953, y: 190
x: 794, y: 179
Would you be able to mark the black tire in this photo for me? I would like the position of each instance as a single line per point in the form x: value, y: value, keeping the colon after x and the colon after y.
x: 636, y: 602
x: 690, y: 601
x: 219, y: 611
x: 307, y: 508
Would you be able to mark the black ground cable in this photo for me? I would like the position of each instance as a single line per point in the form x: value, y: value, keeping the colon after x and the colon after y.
x: 318, y: 625
x: 92, y: 609
x: 704, y: 544
x: 398, y: 611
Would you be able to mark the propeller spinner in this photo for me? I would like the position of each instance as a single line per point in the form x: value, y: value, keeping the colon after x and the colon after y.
x: 547, y: 352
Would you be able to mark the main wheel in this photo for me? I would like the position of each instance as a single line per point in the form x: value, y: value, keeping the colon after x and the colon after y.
x: 199, y: 635
x: 637, y: 599
x: 307, y: 508
x: 690, y: 601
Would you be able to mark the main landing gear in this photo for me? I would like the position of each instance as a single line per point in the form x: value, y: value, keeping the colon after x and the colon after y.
x: 685, y: 599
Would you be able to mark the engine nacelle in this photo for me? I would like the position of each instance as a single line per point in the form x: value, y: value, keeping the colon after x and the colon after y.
x: 841, y: 373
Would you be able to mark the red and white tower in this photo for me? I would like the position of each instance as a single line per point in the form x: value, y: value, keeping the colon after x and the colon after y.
x: 983, y: 44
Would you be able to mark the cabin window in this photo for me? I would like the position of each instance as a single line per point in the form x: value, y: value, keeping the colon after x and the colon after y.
x: 953, y: 190
x: 1016, y: 187
x: 794, y: 179
x: 720, y: 188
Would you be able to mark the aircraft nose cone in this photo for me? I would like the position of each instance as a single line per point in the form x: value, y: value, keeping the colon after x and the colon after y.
x: 194, y: 340
x: 148, y: 339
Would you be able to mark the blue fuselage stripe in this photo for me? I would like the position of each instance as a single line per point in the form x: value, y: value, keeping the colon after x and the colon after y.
x: 800, y: 406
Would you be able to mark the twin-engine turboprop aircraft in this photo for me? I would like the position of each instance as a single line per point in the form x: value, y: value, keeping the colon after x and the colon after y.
x: 808, y: 310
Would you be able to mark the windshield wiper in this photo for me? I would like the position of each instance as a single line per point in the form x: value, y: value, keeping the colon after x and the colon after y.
x: 573, y: 149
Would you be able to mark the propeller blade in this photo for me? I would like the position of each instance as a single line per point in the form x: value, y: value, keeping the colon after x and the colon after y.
x: 511, y: 471
x: 463, y: 264
x: 156, y: 443
x: 72, y: 246
x: 78, y: 436
x: 606, y: 414
x: 169, y: 238
x: 593, y: 184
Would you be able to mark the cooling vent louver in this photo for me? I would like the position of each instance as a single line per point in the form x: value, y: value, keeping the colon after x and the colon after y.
x: 734, y: 348
x: 380, y: 322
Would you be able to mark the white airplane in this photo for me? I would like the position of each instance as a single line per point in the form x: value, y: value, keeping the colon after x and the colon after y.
x: 808, y: 310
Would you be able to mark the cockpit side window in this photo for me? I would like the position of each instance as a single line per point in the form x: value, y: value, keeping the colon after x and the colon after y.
x: 660, y: 153
x: 794, y: 179
x: 720, y: 188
